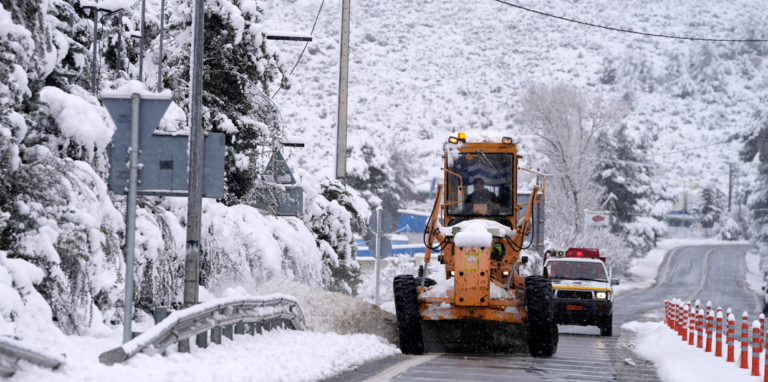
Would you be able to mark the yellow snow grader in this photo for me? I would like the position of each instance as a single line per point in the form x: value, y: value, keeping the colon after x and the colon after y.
x: 484, y: 304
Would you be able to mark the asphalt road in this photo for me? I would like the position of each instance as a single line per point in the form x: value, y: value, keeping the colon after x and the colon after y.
x: 709, y: 273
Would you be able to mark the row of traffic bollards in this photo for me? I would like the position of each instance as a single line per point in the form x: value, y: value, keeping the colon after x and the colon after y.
x: 693, y: 321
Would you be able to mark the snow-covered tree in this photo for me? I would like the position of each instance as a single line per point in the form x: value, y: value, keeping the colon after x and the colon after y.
x: 566, y: 122
x: 639, y: 201
x: 756, y: 147
x: 710, y: 205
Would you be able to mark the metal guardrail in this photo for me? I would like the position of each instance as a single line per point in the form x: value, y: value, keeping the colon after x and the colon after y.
x: 12, y: 351
x: 211, y: 315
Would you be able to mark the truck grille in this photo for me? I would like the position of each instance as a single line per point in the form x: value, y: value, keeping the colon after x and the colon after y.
x: 573, y: 294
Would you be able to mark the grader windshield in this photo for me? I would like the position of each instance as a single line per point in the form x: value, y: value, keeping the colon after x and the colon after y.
x: 487, y: 181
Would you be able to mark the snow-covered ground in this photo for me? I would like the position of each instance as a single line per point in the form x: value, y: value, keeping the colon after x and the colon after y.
x: 279, y: 355
x: 677, y: 361
x: 644, y: 271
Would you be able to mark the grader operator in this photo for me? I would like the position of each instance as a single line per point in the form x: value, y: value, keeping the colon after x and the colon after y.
x: 484, y: 304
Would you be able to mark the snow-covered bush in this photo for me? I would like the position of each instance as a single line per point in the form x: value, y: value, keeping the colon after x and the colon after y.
x: 731, y: 230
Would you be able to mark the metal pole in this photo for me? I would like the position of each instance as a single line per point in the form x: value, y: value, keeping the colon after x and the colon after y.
x: 119, y: 40
x: 130, y: 219
x: 93, y: 61
x: 730, y: 185
x: 160, y: 56
x: 141, y: 44
x: 195, y: 199
x: 378, y: 251
x: 341, y: 136
x: 738, y: 196
x: 72, y: 20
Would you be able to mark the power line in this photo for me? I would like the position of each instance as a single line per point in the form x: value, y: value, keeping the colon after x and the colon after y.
x: 622, y: 30
x: 305, y: 45
x: 692, y: 148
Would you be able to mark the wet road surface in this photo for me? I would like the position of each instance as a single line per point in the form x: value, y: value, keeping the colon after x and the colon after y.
x: 709, y: 273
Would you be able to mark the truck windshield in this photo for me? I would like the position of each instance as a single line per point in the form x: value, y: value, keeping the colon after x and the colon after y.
x: 488, y: 181
x: 576, y: 270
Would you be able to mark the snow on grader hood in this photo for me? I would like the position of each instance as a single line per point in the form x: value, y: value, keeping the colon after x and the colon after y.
x: 484, y: 305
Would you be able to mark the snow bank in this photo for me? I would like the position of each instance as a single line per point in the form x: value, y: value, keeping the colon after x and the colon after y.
x: 677, y: 361
x: 335, y: 312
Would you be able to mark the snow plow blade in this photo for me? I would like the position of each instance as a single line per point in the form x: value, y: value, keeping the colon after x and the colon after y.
x: 474, y: 336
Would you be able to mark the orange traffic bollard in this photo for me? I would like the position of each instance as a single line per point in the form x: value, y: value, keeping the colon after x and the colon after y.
x: 744, y: 341
x: 684, y: 323
x: 700, y: 329
x: 756, y: 348
x: 719, y: 334
x: 666, y: 312
x: 691, y: 326
x: 729, y: 336
x: 679, y: 317
x: 710, y: 319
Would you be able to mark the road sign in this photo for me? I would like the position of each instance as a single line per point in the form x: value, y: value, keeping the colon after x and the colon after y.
x: 386, y: 222
x: 164, y: 158
x: 597, y: 218
x: 386, y: 247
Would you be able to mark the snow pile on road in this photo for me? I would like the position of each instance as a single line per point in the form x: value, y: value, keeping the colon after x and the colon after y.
x: 335, y: 312
x: 677, y: 361
x: 279, y: 355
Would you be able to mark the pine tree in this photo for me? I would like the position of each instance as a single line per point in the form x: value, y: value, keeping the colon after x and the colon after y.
x: 756, y: 146
x: 625, y: 173
x: 710, y: 205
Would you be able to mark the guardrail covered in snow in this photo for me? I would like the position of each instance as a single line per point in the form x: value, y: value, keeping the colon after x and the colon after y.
x: 12, y: 351
x: 211, y: 315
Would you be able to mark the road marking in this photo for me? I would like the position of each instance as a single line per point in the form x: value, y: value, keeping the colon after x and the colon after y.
x: 704, y: 269
x: 399, y: 368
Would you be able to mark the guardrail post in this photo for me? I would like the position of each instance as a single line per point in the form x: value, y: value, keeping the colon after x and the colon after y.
x: 250, y: 328
x: 228, y: 332
x: 710, y: 318
x: 240, y: 328
x: 756, y: 348
x: 257, y: 326
x: 744, y: 341
x: 729, y: 336
x: 216, y: 335
x: 202, y: 340
x: 700, y: 329
x: 719, y: 334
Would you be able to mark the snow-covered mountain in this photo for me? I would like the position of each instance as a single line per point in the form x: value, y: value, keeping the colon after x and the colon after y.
x: 420, y: 70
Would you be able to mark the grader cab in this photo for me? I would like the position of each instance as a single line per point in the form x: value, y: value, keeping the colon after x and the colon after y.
x: 483, y: 304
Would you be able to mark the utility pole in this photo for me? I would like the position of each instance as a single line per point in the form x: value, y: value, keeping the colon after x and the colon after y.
x: 95, y: 44
x: 341, y: 135
x: 160, y: 56
x: 738, y: 196
x: 730, y: 184
x: 141, y: 44
x: 195, y: 198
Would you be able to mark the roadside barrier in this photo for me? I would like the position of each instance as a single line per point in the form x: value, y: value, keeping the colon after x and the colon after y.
x: 744, y: 341
x: 710, y: 318
x: 700, y: 329
x: 719, y: 334
x: 730, y: 336
x: 12, y: 351
x: 690, y: 320
x: 756, y: 348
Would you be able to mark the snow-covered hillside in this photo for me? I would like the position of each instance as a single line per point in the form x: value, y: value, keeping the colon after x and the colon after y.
x: 421, y: 70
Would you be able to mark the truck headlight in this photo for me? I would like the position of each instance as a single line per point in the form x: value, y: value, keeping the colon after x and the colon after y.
x: 601, y: 295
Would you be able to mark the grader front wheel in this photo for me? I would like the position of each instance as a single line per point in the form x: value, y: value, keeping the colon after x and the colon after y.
x: 408, y: 316
x: 542, y: 330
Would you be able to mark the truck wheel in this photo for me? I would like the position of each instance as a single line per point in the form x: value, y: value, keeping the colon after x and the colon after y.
x: 542, y: 331
x: 408, y: 316
x: 606, y: 326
